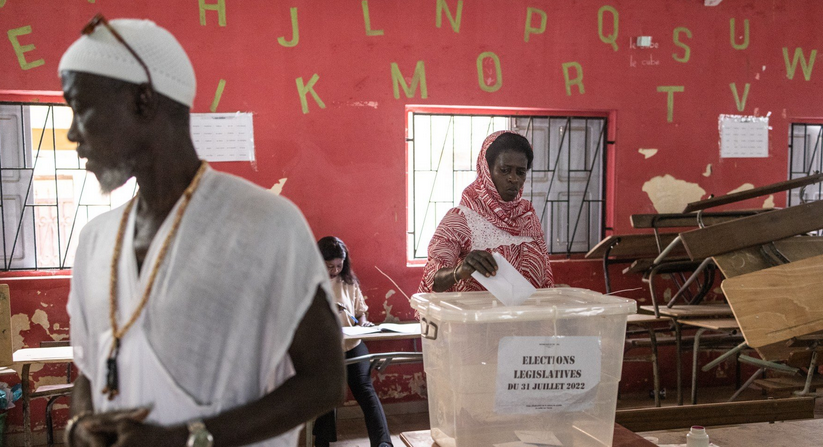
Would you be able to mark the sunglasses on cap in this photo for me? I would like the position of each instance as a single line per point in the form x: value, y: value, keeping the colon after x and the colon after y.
x: 100, y: 20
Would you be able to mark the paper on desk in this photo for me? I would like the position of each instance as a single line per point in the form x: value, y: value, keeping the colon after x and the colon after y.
x: 508, y: 285
x: 360, y: 330
x: 400, y: 328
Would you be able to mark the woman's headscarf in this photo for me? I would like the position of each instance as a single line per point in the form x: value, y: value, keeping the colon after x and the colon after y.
x: 481, y: 196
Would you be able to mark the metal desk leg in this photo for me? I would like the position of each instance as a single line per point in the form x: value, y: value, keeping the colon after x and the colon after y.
x: 678, y: 361
x: 24, y: 382
x: 655, y: 366
x: 694, y: 362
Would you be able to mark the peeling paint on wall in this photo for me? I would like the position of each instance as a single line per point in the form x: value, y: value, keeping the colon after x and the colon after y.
x: 387, y: 308
x: 741, y: 188
x: 708, y: 170
x: 390, y: 293
x: 42, y: 319
x: 769, y: 202
x: 647, y: 153
x: 19, y: 323
x: 670, y: 195
x: 277, y: 188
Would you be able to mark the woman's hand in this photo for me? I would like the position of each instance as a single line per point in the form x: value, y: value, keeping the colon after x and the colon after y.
x: 364, y: 322
x: 480, y: 261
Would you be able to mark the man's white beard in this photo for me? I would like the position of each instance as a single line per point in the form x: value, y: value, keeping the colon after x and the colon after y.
x: 111, y: 179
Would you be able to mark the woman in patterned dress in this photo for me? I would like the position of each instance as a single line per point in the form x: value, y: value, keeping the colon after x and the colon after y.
x: 492, y: 217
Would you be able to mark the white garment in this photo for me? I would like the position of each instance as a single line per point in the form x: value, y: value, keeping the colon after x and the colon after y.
x: 237, y: 279
x: 485, y: 236
x: 351, y: 298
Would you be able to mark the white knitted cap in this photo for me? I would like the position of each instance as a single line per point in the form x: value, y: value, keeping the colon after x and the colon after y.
x: 102, y: 54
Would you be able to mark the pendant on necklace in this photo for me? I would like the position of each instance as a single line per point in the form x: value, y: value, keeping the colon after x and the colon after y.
x: 112, y: 382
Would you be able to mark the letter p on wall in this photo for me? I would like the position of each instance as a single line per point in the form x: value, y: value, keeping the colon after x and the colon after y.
x: 530, y: 29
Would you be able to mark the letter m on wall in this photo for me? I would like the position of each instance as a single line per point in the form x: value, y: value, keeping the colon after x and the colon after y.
x: 419, y: 78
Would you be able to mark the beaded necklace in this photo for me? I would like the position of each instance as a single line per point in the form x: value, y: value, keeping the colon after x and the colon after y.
x: 112, y: 386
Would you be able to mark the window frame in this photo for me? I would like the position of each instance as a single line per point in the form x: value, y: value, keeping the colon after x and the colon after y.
x: 609, y: 118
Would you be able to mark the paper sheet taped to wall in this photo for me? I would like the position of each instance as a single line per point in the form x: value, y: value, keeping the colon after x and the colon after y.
x: 223, y: 136
x: 744, y: 136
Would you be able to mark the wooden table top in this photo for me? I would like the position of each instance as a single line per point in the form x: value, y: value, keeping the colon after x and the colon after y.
x: 717, y: 324
x: 692, y: 311
x: 646, y: 319
x: 622, y: 438
x: 61, y: 354
x: 799, y: 433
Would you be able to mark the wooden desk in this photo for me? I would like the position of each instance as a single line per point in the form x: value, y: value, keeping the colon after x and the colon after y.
x: 622, y: 438
x: 26, y: 357
x: 777, y: 434
x: 680, y: 313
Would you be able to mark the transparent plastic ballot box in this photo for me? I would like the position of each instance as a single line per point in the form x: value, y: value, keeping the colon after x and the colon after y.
x: 544, y: 372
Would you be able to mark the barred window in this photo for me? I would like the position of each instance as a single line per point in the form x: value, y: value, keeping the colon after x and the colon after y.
x: 47, y: 195
x: 805, y: 146
x: 566, y: 184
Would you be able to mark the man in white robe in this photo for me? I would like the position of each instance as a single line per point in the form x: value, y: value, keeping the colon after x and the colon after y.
x: 234, y: 340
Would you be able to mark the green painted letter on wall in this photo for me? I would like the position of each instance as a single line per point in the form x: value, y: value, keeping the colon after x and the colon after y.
x: 531, y: 29
x: 419, y: 77
x: 308, y: 88
x: 217, y: 95
x: 20, y: 49
x: 220, y: 7
x: 798, y: 54
x: 611, y: 39
x: 745, y: 43
x: 670, y: 90
x: 741, y: 104
x: 676, y: 38
x: 454, y: 20
x: 481, y: 79
x: 578, y: 80
x: 295, y: 31
x: 367, y: 20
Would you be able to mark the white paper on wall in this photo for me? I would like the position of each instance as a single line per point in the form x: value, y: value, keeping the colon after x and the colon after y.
x: 544, y: 374
x: 223, y: 136
x: 744, y: 136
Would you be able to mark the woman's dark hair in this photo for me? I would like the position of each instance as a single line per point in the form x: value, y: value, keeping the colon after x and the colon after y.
x: 333, y: 248
x: 509, y: 142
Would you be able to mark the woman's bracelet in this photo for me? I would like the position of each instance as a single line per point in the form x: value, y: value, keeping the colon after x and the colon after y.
x: 72, y: 425
x: 454, y: 272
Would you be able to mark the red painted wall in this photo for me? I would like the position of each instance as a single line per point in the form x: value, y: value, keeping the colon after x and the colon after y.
x: 345, y: 163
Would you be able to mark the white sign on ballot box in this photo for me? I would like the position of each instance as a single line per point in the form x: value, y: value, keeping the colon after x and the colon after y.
x: 542, y: 374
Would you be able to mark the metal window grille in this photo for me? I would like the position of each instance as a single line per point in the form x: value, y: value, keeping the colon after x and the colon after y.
x: 47, y: 195
x: 566, y: 184
x: 805, y: 146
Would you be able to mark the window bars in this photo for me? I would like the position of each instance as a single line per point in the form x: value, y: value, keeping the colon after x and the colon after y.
x: 566, y: 184
x: 805, y: 145
x: 47, y: 195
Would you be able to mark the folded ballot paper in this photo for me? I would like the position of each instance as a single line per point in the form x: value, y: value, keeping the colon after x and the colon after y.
x: 529, y: 438
x: 508, y: 285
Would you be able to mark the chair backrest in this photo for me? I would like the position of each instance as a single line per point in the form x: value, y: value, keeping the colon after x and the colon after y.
x: 778, y: 304
x: 5, y: 326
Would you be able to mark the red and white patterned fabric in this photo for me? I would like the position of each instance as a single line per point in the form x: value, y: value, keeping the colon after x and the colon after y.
x: 483, y: 221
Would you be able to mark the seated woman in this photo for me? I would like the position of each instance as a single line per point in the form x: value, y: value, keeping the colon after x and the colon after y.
x: 492, y: 217
x: 351, y: 309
